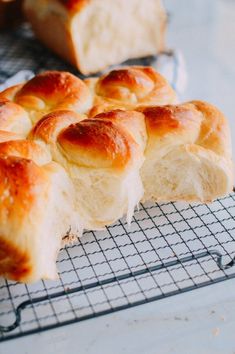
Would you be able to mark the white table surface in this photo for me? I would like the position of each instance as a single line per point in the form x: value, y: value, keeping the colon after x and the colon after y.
x: 202, y: 321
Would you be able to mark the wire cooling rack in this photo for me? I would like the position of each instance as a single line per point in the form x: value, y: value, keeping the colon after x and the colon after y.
x: 169, y: 249
x: 21, y: 50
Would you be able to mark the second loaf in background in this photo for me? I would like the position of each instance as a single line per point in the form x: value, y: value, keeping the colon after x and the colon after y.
x: 94, y: 34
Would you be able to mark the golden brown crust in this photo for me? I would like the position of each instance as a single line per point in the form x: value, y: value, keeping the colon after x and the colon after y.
x: 123, y: 83
x: 26, y: 149
x: 50, y: 91
x: 48, y: 127
x: 131, y: 121
x: 54, y: 90
x: 14, y: 262
x: 214, y: 134
x: 74, y: 5
x: 22, y: 179
x: 106, y: 105
x: 120, y: 116
x: 162, y: 120
x: 21, y: 184
x: 97, y: 143
x: 137, y: 84
x: 128, y: 88
x: 197, y: 119
x: 10, y: 92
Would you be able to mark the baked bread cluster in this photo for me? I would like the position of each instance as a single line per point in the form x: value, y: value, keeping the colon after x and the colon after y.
x: 78, y: 155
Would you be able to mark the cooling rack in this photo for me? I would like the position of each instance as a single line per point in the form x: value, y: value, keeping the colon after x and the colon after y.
x: 20, y: 50
x: 169, y: 249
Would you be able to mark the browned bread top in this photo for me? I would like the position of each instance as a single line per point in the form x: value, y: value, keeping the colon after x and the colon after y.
x: 193, y: 122
x: 49, y: 91
x: 48, y: 127
x: 128, y: 88
x: 74, y: 5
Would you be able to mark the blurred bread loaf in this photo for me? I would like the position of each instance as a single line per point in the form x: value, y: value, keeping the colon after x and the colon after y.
x: 93, y: 34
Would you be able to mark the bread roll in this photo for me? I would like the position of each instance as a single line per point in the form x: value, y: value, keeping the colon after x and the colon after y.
x: 50, y: 91
x: 35, y: 211
x: 13, y: 118
x: 37, y: 205
x: 93, y: 34
x: 129, y: 87
x: 103, y: 157
x: 188, y: 154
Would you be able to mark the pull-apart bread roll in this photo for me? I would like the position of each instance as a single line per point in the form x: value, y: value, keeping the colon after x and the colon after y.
x: 102, y: 156
x: 50, y: 91
x: 36, y: 202
x: 128, y: 88
x: 93, y: 34
x: 35, y: 213
x: 188, y: 154
x: 13, y: 119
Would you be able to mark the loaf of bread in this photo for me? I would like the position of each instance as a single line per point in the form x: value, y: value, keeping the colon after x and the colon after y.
x: 93, y: 34
x: 79, y: 155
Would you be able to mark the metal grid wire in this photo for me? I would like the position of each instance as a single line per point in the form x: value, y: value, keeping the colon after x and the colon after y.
x: 21, y: 50
x: 169, y: 249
